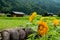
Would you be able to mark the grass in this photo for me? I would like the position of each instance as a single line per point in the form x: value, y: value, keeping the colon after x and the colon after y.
x: 13, y: 22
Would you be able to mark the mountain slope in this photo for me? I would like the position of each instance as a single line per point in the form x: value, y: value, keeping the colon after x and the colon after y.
x: 48, y: 5
x: 58, y: 1
x: 29, y: 6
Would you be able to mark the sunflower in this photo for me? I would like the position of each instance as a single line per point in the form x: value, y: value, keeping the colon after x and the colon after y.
x: 55, y: 22
x: 42, y: 28
x: 32, y: 16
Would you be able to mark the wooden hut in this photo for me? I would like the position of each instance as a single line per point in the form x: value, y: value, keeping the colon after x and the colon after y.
x: 50, y: 14
x: 47, y: 14
x: 17, y: 14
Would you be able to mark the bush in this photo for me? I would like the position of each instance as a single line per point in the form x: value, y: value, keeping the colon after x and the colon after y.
x: 45, y: 14
x: 58, y: 14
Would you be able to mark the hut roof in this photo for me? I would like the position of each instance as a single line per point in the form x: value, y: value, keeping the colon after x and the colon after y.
x: 18, y: 12
x: 50, y: 13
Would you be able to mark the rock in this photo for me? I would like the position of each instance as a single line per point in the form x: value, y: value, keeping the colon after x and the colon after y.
x: 16, y: 34
x: 5, y: 35
x: 22, y: 34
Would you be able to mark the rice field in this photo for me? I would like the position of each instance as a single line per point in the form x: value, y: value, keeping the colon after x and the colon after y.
x: 13, y: 22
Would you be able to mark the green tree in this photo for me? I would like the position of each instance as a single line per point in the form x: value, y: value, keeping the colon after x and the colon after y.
x: 5, y: 5
x: 58, y: 13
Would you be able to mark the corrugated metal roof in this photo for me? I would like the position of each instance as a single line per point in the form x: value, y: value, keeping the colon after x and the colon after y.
x: 18, y: 12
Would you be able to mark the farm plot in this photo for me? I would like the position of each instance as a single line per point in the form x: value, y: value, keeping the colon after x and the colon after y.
x: 52, y: 34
